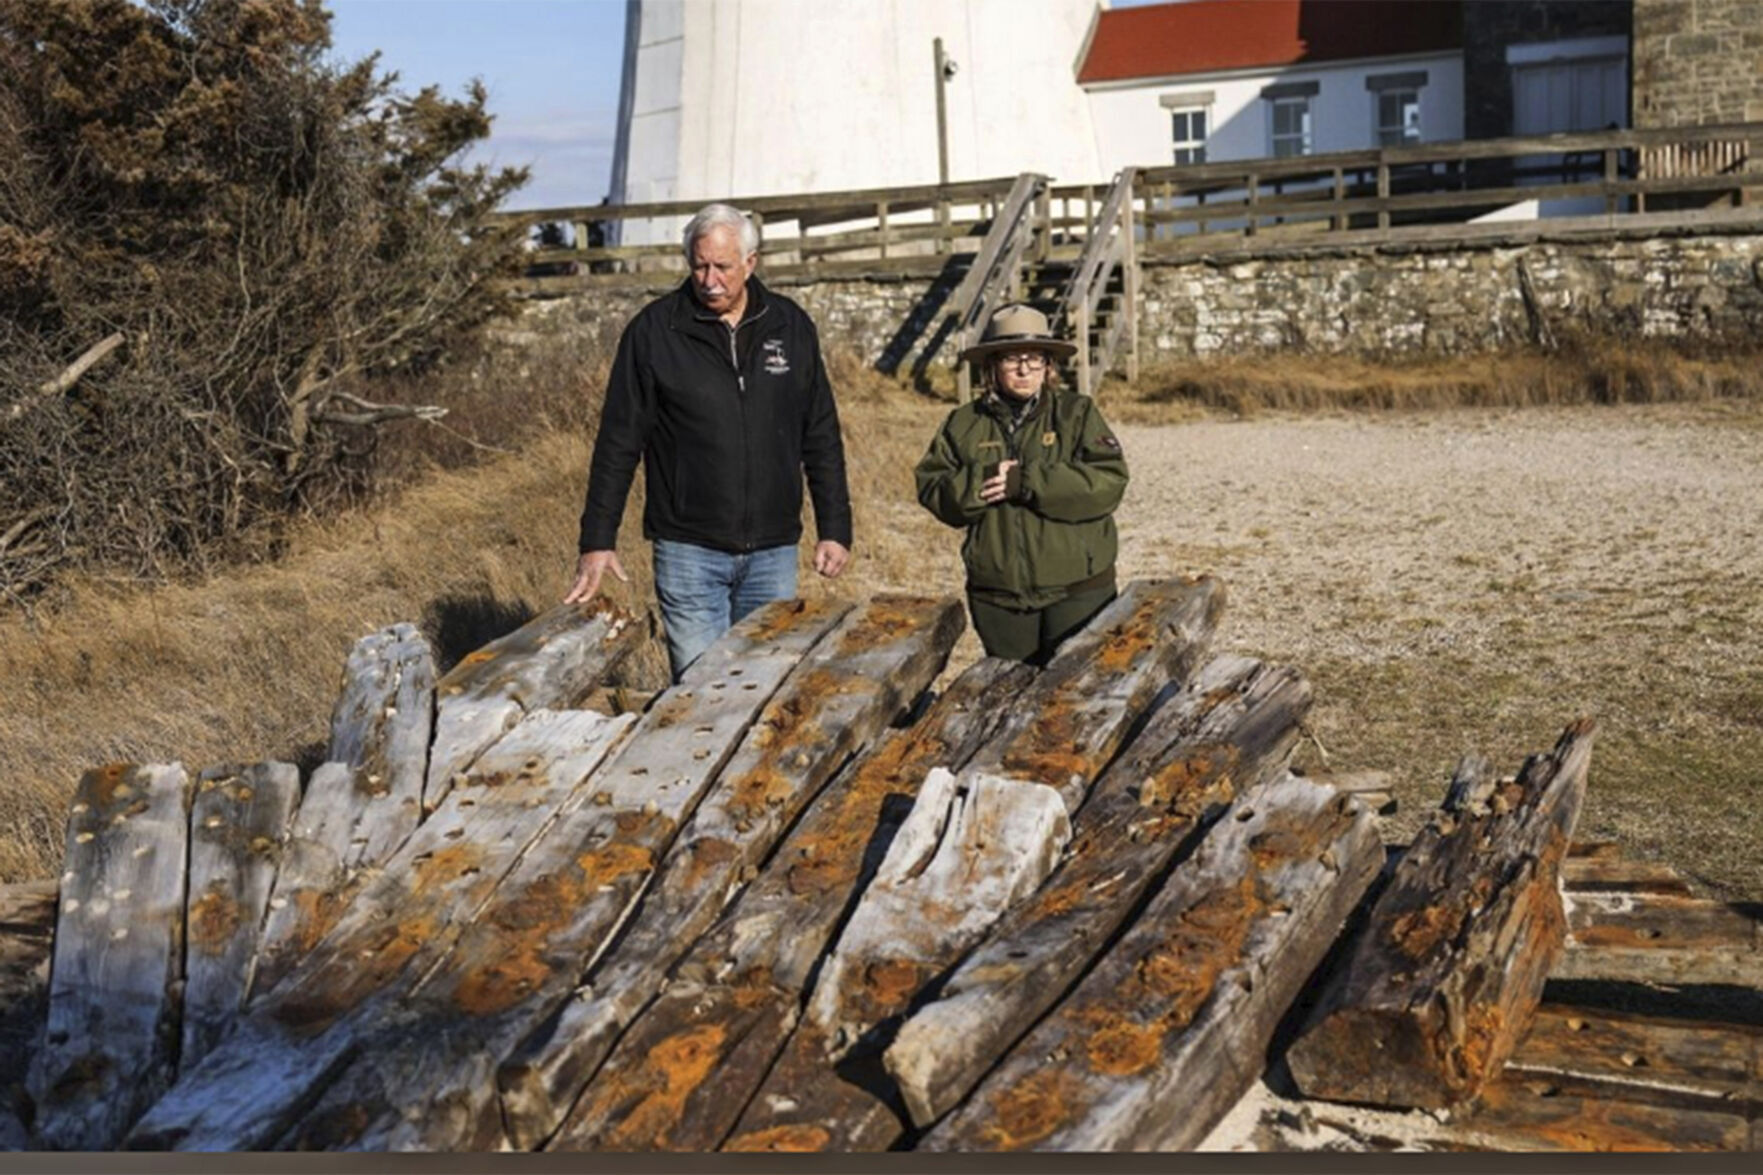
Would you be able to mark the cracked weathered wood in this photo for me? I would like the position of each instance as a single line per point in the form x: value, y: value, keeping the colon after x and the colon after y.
x: 1626, y: 1056
x: 1602, y: 875
x: 550, y: 662
x: 1662, y: 939
x: 547, y: 922
x: 1062, y: 731
x: 110, y: 1043
x: 865, y: 673
x: 295, y: 1039
x: 735, y: 996
x: 1438, y: 988
x: 1171, y: 1026
x: 384, y: 718
x: 239, y: 822
x: 1072, y: 720
x: 1232, y: 727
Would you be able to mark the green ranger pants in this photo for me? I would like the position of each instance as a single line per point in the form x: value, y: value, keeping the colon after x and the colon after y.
x: 1032, y: 636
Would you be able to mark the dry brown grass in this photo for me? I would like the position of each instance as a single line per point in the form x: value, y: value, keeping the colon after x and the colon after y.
x: 1582, y: 371
x: 243, y: 665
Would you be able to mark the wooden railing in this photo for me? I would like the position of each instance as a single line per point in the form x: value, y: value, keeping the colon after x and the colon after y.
x: 1191, y: 206
x: 1108, y: 248
x: 893, y: 225
x: 995, y: 276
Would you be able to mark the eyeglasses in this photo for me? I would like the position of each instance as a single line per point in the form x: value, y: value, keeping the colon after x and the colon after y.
x: 1024, y: 360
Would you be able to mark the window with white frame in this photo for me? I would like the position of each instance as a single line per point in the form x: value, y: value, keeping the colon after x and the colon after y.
x: 1395, y: 107
x: 1189, y: 134
x: 1190, y: 121
x: 1289, y: 118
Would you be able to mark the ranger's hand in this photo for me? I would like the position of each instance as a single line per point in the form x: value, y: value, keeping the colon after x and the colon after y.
x: 830, y: 558
x: 588, y: 570
x: 996, y: 487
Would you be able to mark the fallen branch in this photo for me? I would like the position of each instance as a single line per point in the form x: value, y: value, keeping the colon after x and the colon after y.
x: 62, y: 383
x: 370, y: 413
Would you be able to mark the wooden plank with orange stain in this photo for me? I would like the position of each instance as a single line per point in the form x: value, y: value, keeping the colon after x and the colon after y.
x: 552, y: 661
x: 547, y: 922
x: 1591, y: 875
x: 1071, y: 722
x: 1440, y: 986
x: 1530, y: 1114
x: 1663, y: 939
x: 1631, y: 1057
x: 1172, y: 1025
x: 353, y: 985
x: 842, y: 695
x: 239, y: 822
x: 110, y: 1042
x: 748, y: 975
x: 1232, y: 727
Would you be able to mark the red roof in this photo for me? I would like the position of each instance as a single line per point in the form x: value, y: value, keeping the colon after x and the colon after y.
x: 1204, y: 36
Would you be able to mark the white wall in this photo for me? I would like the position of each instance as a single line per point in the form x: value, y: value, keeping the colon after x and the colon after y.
x: 759, y: 97
x: 1133, y: 127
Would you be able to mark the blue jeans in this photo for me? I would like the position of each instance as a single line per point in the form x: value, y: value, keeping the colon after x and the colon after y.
x: 703, y: 592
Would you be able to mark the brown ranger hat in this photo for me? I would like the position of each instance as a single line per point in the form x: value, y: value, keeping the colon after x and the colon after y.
x: 1017, y: 327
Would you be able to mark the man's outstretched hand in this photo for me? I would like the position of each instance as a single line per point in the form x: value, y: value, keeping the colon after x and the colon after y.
x: 588, y: 570
x: 830, y: 558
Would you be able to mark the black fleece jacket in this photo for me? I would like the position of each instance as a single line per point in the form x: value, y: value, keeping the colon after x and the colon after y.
x: 726, y: 423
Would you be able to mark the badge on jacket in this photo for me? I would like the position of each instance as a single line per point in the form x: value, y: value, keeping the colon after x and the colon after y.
x: 1109, y: 441
x: 776, y: 362
x: 1049, y: 439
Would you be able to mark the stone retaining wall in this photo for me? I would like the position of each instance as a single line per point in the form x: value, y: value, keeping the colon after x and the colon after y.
x: 1387, y: 300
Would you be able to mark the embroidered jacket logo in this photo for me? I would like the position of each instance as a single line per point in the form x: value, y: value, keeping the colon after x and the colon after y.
x: 776, y: 362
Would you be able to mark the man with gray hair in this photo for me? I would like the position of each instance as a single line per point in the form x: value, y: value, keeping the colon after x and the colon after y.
x: 719, y: 388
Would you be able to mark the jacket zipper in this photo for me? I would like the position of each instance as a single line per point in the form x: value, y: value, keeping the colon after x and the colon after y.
x: 734, y: 361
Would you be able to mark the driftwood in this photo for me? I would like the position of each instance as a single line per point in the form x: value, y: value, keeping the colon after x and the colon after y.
x: 238, y: 823
x: 550, y: 662
x: 1442, y: 983
x: 737, y: 993
x: 1172, y: 1025
x: 840, y: 697
x: 110, y: 1042
x: 525, y: 952
x: 1231, y: 728
x: 353, y: 982
x: 1681, y: 941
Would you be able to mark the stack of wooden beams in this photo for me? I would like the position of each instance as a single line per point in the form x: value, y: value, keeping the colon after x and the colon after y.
x: 795, y: 903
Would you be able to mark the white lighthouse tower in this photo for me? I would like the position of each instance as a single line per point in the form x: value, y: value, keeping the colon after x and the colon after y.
x: 731, y: 98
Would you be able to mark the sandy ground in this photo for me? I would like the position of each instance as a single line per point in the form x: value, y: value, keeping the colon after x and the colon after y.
x: 1472, y: 580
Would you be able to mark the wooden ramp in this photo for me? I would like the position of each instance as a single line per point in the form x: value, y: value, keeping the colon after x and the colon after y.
x: 798, y: 902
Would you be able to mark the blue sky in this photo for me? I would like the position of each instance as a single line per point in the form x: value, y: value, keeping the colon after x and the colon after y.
x: 552, y: 68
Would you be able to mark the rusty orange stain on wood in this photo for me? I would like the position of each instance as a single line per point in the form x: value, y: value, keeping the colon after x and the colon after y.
x: 1029, y: 1110
x: 1188, y: 785
x: 705, y: 859
x: 1047, y: 751
x: 102, y: 782
x: 606, y: 864
x: 523, y: 926
x: 348, y: 978
x: 783, y: 617
x: 214, y: 917
x: 674, y: 1067
x: 1124, y: 1048
x: 887, y: 618
x: 890, y: 984
x: 794, y: 1139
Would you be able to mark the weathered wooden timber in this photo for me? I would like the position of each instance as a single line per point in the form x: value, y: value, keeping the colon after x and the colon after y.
x: 525, y: 953
x: 737, y: 994
x: 865, y: 674
x: 384, y: 718
x: 239, y: 822
x: 354, y: 980
x: 903, y: 954
x: 1172, y: 1026
x: 550, y: 662
x: 110, y: 1045
x: 1451, y: 966
x: 1070, y: 723
x: 1231, y: 728
x: 827, y: 1090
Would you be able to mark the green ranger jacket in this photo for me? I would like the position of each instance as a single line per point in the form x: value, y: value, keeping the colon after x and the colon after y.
x: 1056, y: 529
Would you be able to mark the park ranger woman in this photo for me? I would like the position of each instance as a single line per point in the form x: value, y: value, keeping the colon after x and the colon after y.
x: 1033, y: 473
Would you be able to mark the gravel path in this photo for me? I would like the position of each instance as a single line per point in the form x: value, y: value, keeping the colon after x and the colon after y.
x: 1471, y: 580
